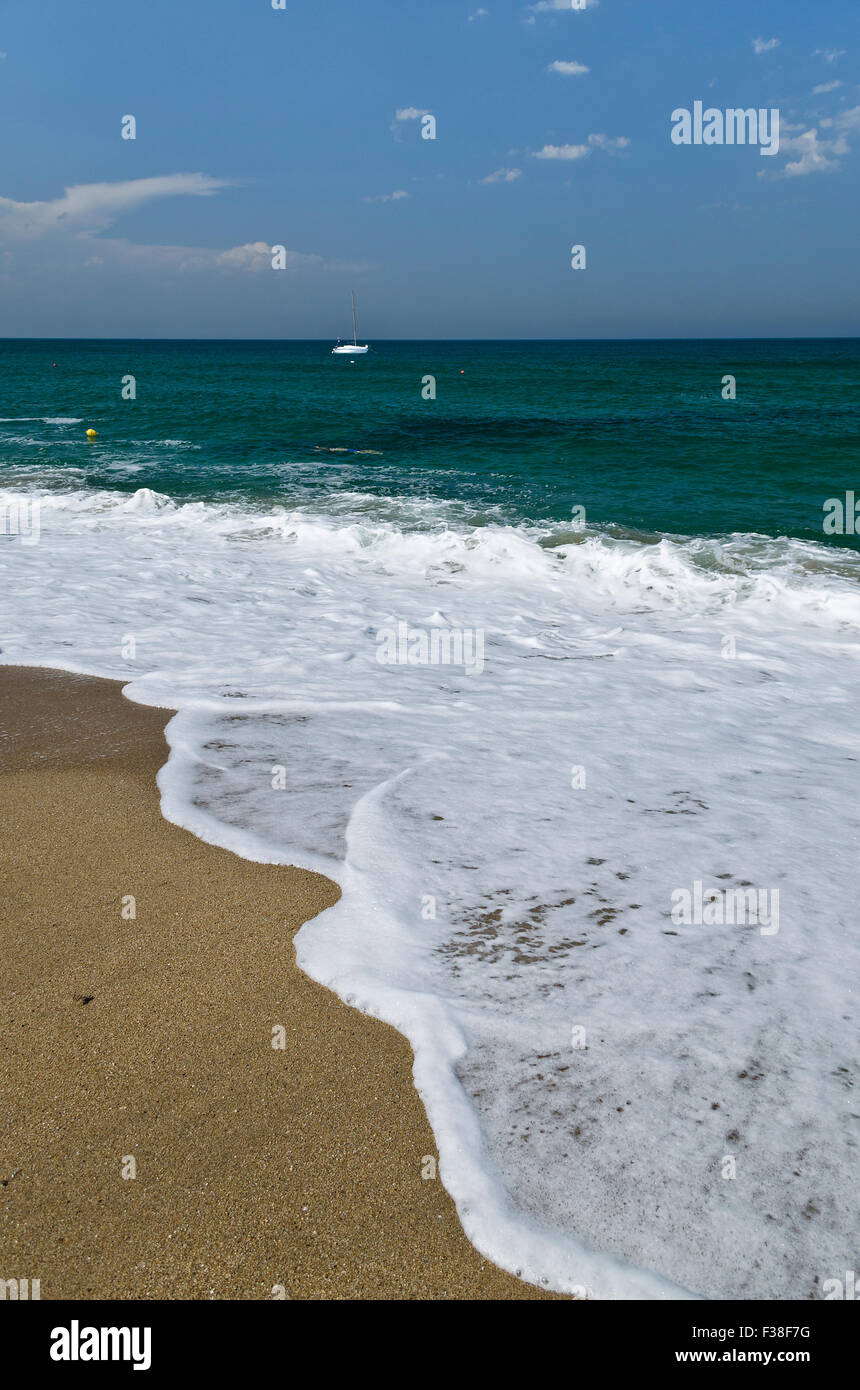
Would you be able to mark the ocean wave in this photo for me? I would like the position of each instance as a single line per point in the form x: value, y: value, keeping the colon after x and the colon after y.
x: 622, y: 567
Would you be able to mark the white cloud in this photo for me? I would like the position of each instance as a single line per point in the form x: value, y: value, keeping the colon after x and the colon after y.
x: 829, y: 54
x: 395, y: 197
x: 548, y: 6
x: 90, y: 207
x: 479, y: 14
x: 562, y: 152
x: 849, y: 120
x: 765, y: 45
x: 404, y: 114
x: 816, y: 155
x: 595, y: 142
x: 605, y: 142
x: 253, y: 256
x: 503, y: 176
x: 568, y: 69
x: 826, y: 87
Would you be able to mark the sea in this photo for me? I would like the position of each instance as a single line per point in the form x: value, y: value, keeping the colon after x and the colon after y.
x: 548, y: 653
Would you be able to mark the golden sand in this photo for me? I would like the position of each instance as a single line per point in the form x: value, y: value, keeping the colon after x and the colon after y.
x: 151, y: 1040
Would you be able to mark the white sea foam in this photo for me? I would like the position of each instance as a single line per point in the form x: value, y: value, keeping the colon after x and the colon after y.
x: 649, y: 716
x: 167, y: 443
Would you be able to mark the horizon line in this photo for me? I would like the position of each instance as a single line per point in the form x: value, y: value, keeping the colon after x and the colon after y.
x: 680, y: 338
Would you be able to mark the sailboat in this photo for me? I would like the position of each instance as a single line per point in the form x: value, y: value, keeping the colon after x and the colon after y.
x: 352, y: 348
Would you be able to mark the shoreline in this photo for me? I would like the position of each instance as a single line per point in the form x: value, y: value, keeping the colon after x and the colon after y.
x: 150, y: 1039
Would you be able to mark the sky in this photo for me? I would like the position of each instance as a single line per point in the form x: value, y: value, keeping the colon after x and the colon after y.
x: 303, y: 127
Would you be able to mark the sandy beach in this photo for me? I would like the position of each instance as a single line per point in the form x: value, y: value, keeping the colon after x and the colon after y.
x: 150, y: 1039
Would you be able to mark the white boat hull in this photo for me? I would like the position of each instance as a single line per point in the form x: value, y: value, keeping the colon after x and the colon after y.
x: 350, y: 350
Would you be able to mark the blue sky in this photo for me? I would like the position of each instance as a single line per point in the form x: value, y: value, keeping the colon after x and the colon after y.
x: 259, y: 127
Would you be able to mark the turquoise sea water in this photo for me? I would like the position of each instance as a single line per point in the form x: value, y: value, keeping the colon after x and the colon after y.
x: 636, y: 432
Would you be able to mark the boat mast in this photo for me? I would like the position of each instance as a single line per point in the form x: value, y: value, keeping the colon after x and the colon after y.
x: 354, y: 328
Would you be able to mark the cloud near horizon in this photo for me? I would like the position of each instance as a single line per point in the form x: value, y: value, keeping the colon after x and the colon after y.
x: 85, y: 210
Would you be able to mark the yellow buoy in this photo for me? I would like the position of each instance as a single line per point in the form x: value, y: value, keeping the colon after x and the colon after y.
x: 91, y: 434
